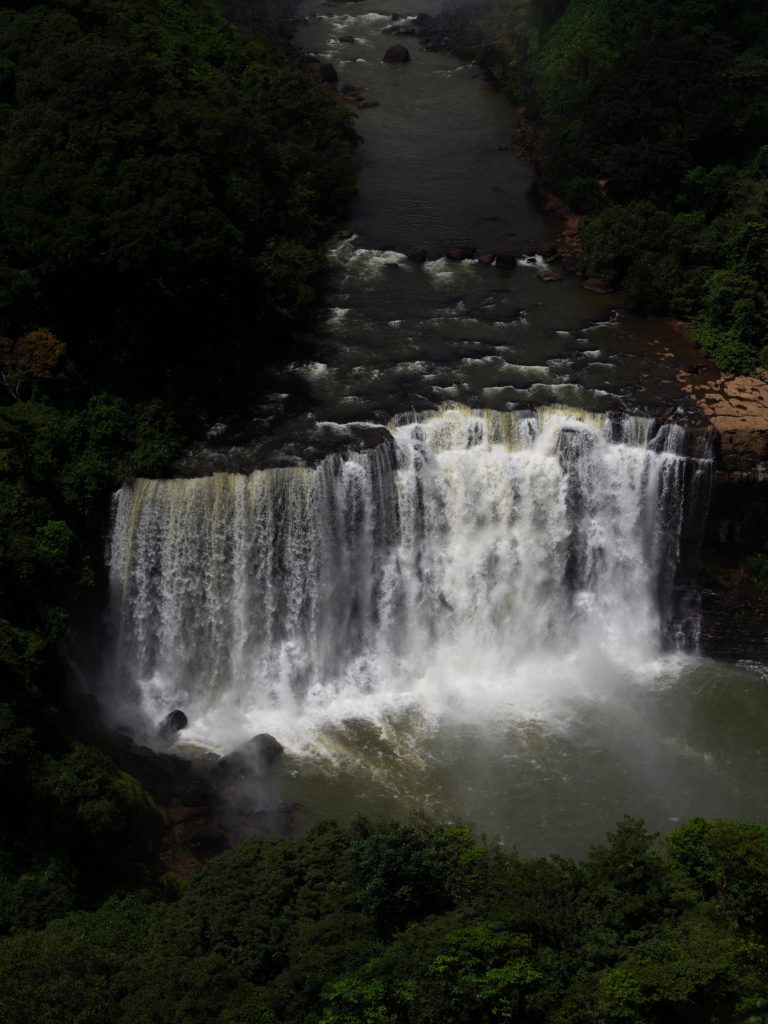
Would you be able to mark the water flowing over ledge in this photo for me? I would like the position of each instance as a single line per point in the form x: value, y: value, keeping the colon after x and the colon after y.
x: 480, y: 564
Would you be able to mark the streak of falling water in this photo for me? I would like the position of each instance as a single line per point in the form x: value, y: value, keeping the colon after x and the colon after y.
x: 481, y: 563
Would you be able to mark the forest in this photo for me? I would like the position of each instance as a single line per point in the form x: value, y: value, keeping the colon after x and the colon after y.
x: 167, y: 180
x: 414, y: 924
x: 655, y: 119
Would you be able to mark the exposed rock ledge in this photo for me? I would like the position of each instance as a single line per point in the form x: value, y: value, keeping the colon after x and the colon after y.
x: 734, y: 621
x: 737, y: 408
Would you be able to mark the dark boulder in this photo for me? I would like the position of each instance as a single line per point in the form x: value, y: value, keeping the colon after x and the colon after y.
x: 418, y: 255
x: 251, y: 758
x: 162, y: 775
x: 325, y: 74
x: 347, y: 87
x: 546, y: 276
x: 486, y: 259
x: 368, y: 104
x: 398, y: 30
x: 397, y: 54
x: 173, y: 722
x: 345, y: 233
x: 597, y: 284
x: 505, y: 259
x: 346, y: 39
x: 461, y: 252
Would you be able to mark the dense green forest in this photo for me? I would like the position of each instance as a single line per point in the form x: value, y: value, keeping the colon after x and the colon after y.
x: 413, y: 924
x: 655, y: 120
x: 166, y: 181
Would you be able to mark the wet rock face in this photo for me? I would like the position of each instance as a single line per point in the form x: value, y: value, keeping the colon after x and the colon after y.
x: 173, y: 723
x: 397, y: 54
x: 252, y: 758
x: 506, y: 260
x: 461, y: 252
x: 418, y: 255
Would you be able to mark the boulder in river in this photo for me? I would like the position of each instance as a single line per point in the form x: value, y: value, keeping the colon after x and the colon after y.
x: 326, y: 73
x: 346, y: 39
x: 546, y: 276
x: 418, y: 255
x: 345, y: 233
x: 597, y: 284
x: 367, y: 104
x: 505, y: 259
x: 398, y: 30
x: 461, y: 252
x: 253, y: 757
x: 173, y: 722
x: 486, y: 259
x: 397, y: 54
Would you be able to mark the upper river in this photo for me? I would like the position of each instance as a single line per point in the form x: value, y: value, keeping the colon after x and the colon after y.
x: 477, y: 610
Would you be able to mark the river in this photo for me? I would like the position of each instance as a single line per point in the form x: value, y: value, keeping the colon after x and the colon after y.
x: 476, y: 611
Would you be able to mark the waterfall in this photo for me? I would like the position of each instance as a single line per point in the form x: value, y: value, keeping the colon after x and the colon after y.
x: 476, y: 561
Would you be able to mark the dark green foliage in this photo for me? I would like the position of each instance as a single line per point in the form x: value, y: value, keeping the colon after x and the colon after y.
x: 657, y: 126
x: 282, y: 930
x: 165, y: 184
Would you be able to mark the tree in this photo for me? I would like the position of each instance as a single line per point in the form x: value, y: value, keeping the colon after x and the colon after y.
x: 33, y: 357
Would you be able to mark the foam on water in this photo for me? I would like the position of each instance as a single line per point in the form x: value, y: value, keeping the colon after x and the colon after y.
x: 481, y: 566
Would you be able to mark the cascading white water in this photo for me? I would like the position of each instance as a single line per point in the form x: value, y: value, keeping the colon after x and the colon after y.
x: 481, y: 564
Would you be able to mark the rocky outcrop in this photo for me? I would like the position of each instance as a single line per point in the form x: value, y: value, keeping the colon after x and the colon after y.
x: 461, y: 252
x: 397, y: 54
x: 418, y: 255
x: 323, y: 73
x: 252, y: 758
x: 173, y: 723
x: 737, y: 408
x: 734, y: 605
x: 505, y: 259
x: 598, y: 284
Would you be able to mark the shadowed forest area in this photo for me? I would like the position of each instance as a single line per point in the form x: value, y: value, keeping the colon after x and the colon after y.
x: 655, y: 127
x: 165, y: 184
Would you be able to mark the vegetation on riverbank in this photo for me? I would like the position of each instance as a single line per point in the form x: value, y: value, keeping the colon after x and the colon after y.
x: 656, y: 129
x: 165, y: 185
x: 413, y: 924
